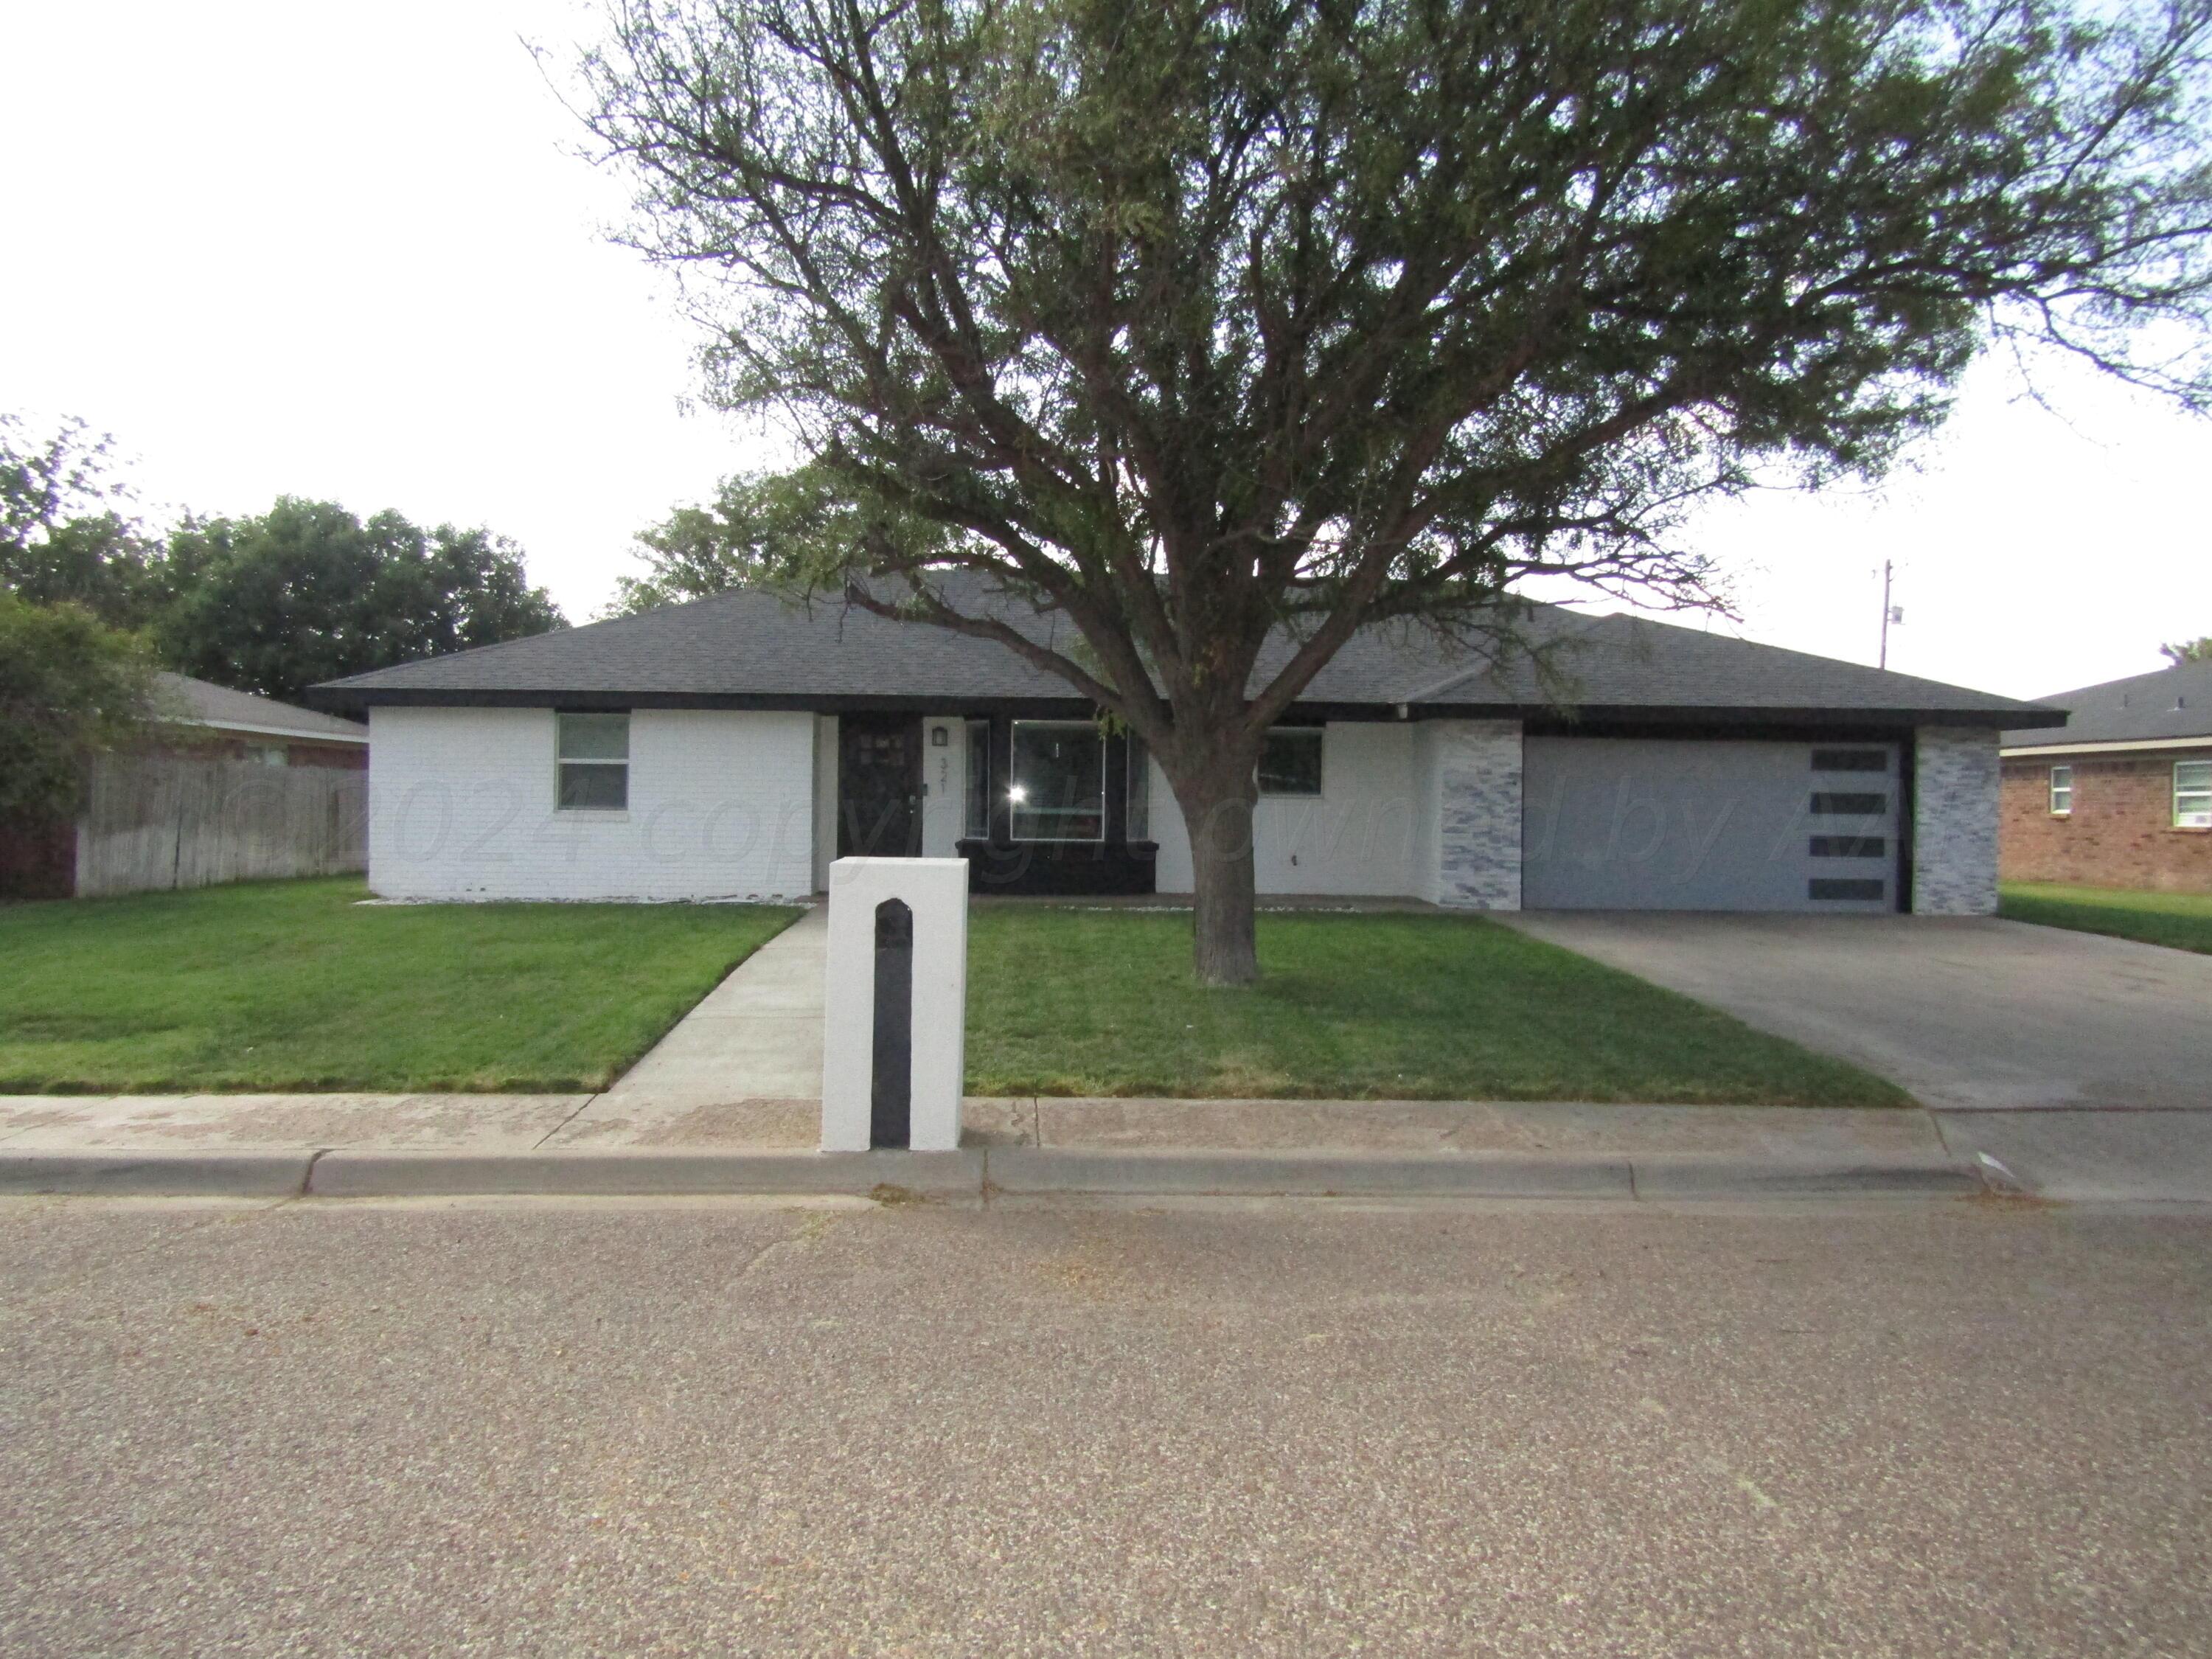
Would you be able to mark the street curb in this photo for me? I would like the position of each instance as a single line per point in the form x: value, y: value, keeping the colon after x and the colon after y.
x: 1682, y: 1176
x: 972, y: 1173
x: 1229, y: 1174
x: 630, y: 1173
x: 157, y: 1175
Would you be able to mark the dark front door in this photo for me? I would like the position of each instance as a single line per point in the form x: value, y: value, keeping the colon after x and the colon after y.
x: 879, y: 785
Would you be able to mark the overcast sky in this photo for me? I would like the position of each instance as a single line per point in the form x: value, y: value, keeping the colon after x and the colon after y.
x: 348, y: 252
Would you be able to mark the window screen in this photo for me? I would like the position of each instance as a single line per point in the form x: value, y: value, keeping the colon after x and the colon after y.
x: 594, y: 762
x: 2192, y: 794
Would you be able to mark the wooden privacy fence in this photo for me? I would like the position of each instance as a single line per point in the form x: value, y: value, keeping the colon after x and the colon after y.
x: 160, y: 821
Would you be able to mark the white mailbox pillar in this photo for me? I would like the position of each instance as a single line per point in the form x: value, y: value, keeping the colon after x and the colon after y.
x: 934, y: 892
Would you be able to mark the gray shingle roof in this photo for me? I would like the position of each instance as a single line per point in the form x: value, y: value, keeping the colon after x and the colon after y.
x: 2170, y: 702
x: 206, y: 703
x: 756, y: 646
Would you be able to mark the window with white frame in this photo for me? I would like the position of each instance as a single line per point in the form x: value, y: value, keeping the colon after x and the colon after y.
x: 2192, y: 794
x: 593, y: 762
x: 1290, y: 761
x: 1057, y: 785
x: 2062, y: 790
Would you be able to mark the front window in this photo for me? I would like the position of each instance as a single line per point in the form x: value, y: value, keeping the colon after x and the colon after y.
x: 1290, y: 761
x: 1058, y: 789
x: 2062, y: 790
x: 978, y: 780
x: 2192, y: 794
x: 594, y: 762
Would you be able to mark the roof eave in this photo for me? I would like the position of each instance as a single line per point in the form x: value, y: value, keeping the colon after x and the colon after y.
x: 339, y: 696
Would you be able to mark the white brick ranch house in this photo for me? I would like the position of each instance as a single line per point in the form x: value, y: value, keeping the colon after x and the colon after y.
x: 732, y: 747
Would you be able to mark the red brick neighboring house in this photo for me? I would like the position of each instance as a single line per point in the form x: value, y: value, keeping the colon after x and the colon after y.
x: 2121, y: 796
x: 214, y: 723
x: 239, y: 725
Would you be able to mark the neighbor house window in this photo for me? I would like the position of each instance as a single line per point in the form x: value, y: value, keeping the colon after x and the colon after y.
x: 1057, y: 791
x: 2192, y: 794
x: 2062, y: 790
x: 594, y: 762
x: 978, y: 780
x: 1290, y: 761
x: 1137, y: 812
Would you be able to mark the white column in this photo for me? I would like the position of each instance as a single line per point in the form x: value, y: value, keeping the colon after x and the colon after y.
x: 936, y: 891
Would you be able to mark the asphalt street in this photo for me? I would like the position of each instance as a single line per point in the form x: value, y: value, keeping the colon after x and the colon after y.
x: 730, y: 1426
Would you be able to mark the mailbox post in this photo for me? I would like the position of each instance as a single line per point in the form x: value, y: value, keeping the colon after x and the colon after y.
x: 896, y: 990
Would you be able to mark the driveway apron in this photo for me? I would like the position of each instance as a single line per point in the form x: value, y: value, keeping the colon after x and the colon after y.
x: 1965, y: 1012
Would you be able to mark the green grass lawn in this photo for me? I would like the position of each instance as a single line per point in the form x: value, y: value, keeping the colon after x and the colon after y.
x: 294, y: 985
x: 2182, y: 920
x: 1064, y: 1001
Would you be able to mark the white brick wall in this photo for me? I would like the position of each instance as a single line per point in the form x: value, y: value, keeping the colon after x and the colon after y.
x: 1954, y: 822
x: 1472, y: 786
x: 1355, y: 839
x: 461, y: 807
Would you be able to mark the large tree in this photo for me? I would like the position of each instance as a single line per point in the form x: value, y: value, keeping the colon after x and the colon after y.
x: 307, y: 591
x: 1211, y: 323
x: 66, y: 534
x: 747, y: 536
x: 70, y: 687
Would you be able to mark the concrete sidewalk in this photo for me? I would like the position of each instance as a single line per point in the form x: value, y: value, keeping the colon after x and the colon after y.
x: 757, y: 1036
x: 618, y: 1142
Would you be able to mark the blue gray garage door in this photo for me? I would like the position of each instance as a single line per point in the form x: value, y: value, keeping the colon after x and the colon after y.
x: 1619, y: 824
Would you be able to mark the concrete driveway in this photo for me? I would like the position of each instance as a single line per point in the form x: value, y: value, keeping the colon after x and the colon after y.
x: 1962, y: 1012
x: 2085, y: 1062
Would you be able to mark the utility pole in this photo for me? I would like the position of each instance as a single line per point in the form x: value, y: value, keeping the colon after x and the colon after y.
x: 1890, y: 613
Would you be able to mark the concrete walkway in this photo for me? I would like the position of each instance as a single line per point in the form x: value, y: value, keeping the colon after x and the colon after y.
x: 757, y: 1036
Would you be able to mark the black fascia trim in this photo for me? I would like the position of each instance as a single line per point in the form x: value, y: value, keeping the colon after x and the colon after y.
x: 1787, y: 729
x: 951, y: 706
x: 1850, y: 725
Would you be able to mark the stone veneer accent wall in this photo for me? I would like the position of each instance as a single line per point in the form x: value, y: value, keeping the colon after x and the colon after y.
x: 1477, y: 768
x: 1954, y: 823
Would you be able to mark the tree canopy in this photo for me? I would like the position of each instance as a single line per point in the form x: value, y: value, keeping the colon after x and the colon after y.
x: 1208, y: 321
x: 2197, y: 650
x: 269, y: 602
x: 65, y: 534
x: 307, y: 591
x: 70, y: 688
x: 755, y: 530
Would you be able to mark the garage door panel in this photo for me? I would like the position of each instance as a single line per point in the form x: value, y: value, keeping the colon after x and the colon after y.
x: 1634, y: 823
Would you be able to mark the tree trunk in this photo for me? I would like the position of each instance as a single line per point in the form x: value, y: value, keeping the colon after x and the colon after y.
x: 1217, y: 805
